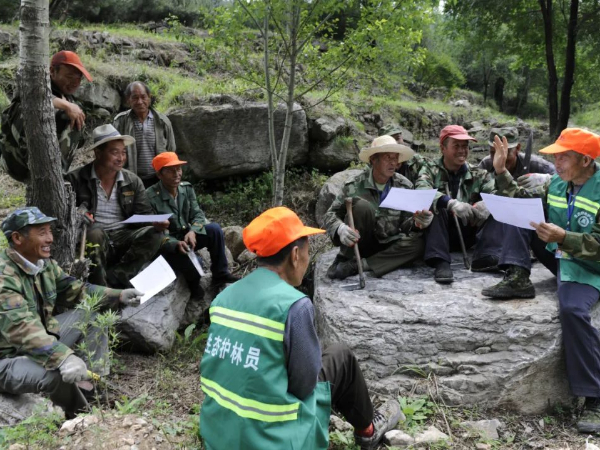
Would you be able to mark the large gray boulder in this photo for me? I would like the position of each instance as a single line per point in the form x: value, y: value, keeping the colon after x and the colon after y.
x: 330, y: 190
x: 99, y: 95
x: 233, y: 139
x: 16, y: 408
x: 482, y: 352
x: 331, y: 146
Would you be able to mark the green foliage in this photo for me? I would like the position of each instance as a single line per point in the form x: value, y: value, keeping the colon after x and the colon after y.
x: 40, y: 430
x: 190, y: 344
x: 416, y: 409
x: 588, y: 117
x: 439, y: 70
x: 131, y: 406
x: 342, y: 440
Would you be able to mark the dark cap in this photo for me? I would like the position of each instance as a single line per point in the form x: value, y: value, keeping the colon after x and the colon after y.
x: 22, y: 217
x: 390, y: 130
x: 510, y: 133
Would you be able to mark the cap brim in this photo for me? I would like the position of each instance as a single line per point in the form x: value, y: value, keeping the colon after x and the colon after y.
x: 404, y: 152
x: 174, y: 163
x: 127, y: 140
x: 462, y: 137
x: 491, y: 144
x: 79, y: 67
x: 554, y: 148
x: 309, y: 231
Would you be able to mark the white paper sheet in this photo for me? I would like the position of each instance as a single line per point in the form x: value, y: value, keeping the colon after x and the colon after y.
x: 140, y: 218
x: 153, y: 278
x: 515, y: 211
x: 196, y: 262
x: 408, y: 199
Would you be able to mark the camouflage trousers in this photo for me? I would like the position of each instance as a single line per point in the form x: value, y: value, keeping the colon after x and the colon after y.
x: 21, y: 375
x: 381, y: 257
x: 119, y: 255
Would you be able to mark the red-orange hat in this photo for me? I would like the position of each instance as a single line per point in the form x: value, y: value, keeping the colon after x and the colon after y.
x: 274, y: 229
x: 70, y: 59
x: 456, y: 132
x: 166, y: 159
x: 578, y: 140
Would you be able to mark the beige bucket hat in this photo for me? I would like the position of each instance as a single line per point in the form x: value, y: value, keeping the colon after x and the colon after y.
x: 107, y: 133
x: 386, y: 144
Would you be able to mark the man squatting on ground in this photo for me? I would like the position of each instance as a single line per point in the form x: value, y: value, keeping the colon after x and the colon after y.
x: 188, y: 228
x: 36, y: 347
x: 572, y: 202
x: 267, y: 385
x: 387, y: 238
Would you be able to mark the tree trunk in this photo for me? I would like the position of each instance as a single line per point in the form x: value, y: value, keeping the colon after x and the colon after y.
x: 569, y: 79
x: 546, y: 7
x: 47, y: 187
x: 499, y: 92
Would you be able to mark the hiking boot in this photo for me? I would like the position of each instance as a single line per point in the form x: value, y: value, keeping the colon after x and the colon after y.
x: 516, y: 284
x: 220, y: 280
x: 589, y: 422
x: 332, y: 268
x: 346, y: 269
x: 385, y: 419
x: 486, y: 264
x: 443, y: 272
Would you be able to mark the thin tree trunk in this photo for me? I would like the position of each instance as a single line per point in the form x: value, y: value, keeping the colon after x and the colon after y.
x: 270, y: 109
x: 569, y: 79
x: 47, y: 187
x: 546, y: 7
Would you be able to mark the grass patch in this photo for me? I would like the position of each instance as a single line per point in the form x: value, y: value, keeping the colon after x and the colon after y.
x: 588, y: 118
x: 38, y: 431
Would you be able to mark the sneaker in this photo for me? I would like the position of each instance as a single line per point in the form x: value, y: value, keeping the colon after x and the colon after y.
x: 486, y: 264
x: 589, y: 422
x: 385, y: 419
x: 220, y: 280
x: 516, y: 284
x: 346, y: 269
x: 443, y: 272
x: 332, y: 268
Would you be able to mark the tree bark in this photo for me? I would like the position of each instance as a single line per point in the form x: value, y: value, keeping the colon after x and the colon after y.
x: 546, y: 7
x: 47, y: 187
x: 569, y: 78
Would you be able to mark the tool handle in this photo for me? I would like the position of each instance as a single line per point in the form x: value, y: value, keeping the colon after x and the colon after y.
x: 460, y: 236
x: 83, y: 242
x: 93, y: 376
x: 361, y: 275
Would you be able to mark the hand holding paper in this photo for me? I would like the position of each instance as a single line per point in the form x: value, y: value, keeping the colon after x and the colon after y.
x: 519, y: 212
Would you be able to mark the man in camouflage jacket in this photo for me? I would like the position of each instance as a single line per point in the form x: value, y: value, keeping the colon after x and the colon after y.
x: 465, y: 184
x: 409, y: 169
x: 36, y: 347
x: 387, y: 238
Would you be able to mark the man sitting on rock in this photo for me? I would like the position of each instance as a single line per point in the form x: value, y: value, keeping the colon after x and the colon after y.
x: 459, y: 188
x: 152, y: 130
x: 267, y: 384
x: 188, y: 228
x: 66, y: 72
x: 387, y: 238
x: 572, y: 234
x: 36, y: 347
x: 409, y: 169
x: 107, y: 194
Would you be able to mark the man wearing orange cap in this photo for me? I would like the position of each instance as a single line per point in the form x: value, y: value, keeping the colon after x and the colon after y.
x: 66, y: 73
x: 572, y: 233
x: 267, y: 384
x: 188, y: 228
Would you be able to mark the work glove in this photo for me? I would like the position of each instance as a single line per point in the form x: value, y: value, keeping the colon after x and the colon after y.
x: 533, y: 180
x: 462, y: 210
x: 131, y: 297
x: 347, y: 235
x: 481, y: 214
x: 423, y: 219
x: 73, y: 369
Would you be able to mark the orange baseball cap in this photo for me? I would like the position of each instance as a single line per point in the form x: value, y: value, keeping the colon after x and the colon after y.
x: 578, y: 140
x: 166, y: 159
x: 274, y: 229
x: 70, y: 59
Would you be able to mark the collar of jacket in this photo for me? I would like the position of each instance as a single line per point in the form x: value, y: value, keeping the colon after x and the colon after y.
x: 166, y: 195
x: 86, y: 174
x: 26, y: 266
x: 464, y: 169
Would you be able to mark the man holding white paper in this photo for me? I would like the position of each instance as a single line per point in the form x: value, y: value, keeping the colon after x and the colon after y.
x: 572, y: 234
x: 387, y: 238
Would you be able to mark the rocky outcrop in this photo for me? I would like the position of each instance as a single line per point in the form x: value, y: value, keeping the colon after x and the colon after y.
x: 16, y: 408
x: 330, y: 190
x: 99, y: 95
x: 231, y: 139
x: 331, y: 144
x: 482, y: 352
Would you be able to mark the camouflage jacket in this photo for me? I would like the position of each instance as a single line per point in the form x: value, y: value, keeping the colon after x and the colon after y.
x: 472, y: 183
x: 27, y: 302
x: 411, y: 168
x: 14, y: 148
x: 536, y: 165
x: 187, y: 214
x: 391, y: 224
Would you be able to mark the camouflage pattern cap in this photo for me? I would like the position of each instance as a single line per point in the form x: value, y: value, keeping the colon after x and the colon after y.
x: 510, y: 133
x: 390, y: 130
x: 22, y: 217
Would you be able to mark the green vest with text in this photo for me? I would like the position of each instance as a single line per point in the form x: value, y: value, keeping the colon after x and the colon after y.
x: 244, y: 376
x: 585, y: 207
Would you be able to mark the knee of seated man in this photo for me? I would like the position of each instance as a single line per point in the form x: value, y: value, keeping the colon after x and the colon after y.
x: 95, y: 235
x: 213, y: 228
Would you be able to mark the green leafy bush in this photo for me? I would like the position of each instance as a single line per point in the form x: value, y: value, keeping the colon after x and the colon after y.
x: 439, y: 70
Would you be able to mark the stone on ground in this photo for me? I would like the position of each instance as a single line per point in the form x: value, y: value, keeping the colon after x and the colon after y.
x: 398, y: 438
x: 16, y: 408
x: 430, y: 436
x: 487, y: 429
x: 482, y: 352
x: 330, y: 190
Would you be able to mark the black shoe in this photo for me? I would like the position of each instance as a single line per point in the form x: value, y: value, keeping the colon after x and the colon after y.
x: 346, y: 269
x: 332, y: 268
x: 589, y: 422
x: 220, y: 280
x: 385, y: 419
x: 197, y: 293
x: 516, y: 284
x: 443, y: 273
x: 486, y: 264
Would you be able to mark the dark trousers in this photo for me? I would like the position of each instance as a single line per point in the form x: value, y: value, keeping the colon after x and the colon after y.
x: 381, y: 257
x: 349, y: 393
x: 21, y: 375
x: 214, y: 242
x: 575, y: 301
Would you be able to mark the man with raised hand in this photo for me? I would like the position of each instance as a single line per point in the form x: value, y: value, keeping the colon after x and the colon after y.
x: 459, y: 186
x: 387, y: 238
x: 266, y: 383
x: 66, y: 73
x: 36, y: 346
x: 572, y: 233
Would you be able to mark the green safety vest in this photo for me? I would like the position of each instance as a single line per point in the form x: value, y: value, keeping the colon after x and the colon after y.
x: 244, y: 375
x: 585, y: 207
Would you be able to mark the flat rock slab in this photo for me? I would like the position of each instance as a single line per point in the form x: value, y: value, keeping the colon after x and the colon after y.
x: 484, y: 352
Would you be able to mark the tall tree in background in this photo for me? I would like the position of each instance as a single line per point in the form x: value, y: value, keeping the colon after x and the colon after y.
x: 47, y: 189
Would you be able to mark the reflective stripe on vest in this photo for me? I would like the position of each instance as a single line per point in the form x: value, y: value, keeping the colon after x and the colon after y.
x: 588, y: 205
x: 250, y: 323
x: 251, y: 409
x: 558, y: 202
